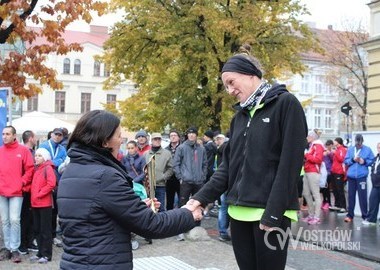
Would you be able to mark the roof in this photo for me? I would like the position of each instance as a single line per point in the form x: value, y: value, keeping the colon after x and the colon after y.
x: 97, y: 36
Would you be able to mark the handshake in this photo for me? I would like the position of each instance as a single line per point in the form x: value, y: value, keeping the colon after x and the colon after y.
x: 196, y: 209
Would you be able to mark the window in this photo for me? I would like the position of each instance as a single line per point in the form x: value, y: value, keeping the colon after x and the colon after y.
x: 33, y: 103
x: 97, y: 68
x: 66, y: 66
x: 106, y: 71
x: 328, y: 118
x: 317, y: 118
x: 111, y: 99
x: 85, y: 102
x: 60, y: 99
x: 77, y: 67
x: 318, y: 84
x: 305, y: 84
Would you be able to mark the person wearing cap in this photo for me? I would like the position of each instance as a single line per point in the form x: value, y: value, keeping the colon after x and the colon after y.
x: 261, y: 164
x: 58, y: 156
x: 44, y: 181
x: 190, y: 167
x: 163, y: 169
x: 142, y: 142
x: 358, y: 158
x: 312, y: 176
x: 16, y: 172
x: 338, y: 172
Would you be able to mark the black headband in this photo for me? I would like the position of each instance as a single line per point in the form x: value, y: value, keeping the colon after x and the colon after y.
x: 241, y: 64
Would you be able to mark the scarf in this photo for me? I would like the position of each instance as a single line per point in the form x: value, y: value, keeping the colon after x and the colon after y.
x: 256, y: 97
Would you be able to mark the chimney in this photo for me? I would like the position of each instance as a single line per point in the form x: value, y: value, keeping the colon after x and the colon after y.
x: 98, y: 29
x: 330, y: 27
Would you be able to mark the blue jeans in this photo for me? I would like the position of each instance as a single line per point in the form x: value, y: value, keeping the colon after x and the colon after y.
x: 374, y: 201
x: 161, y: 196
x: 359, y: 185
x: 223, y: 218
x: 10, y: 210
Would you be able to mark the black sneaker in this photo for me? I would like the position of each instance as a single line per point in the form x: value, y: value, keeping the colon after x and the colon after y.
x: 33, y: 247
x: 15, y: 257
x: 23, y: 251
x: 224, y: 237
x: 5, y: 254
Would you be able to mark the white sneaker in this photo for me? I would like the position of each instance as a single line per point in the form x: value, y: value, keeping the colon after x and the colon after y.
x: 367, y: 223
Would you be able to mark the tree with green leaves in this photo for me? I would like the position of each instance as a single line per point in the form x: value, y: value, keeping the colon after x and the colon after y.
x: 174, y: 51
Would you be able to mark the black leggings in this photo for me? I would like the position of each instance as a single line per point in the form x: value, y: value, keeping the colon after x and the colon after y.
x: 251, y: 249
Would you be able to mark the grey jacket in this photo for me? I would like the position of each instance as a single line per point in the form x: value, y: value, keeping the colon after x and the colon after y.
x: 164, y: 165
x: 190, y: 163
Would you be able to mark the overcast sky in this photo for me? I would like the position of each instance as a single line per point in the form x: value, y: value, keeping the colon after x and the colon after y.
x: 333, y: 12
x: 323, y: 13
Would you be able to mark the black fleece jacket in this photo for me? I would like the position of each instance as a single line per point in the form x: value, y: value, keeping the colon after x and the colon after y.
x: 262, y: 163
x: 98, y: 210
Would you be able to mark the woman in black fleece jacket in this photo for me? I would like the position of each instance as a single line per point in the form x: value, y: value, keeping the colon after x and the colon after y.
x: 261, y: 164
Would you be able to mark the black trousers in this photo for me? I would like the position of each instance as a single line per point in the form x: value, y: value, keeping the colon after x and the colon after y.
x: 26, y: 222
x: 258, y: 249
x: 172, y: 188
x: 338, y: 184
x: 186, y: 191
x: 42, y: 226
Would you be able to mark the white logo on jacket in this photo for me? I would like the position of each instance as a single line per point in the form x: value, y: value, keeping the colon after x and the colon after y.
x: 266, y: 120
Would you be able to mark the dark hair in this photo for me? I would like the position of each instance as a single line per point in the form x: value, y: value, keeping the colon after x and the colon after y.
x: 132, y: 142
x: 339, y: 140
x: 329, y: 142
x: 94, y: 128
x: 175, y: 131
x: 12, y: 129
x: 245, y: 50
x: 26, y: 135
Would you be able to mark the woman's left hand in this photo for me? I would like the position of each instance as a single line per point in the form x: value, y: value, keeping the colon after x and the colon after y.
x: 148, y: 202
x: 266, y: 228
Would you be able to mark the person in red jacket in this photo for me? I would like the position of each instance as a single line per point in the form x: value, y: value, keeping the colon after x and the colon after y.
x: 44, y: 181
x: 16, y: 173
x: 338, y: 171
x: 313, y: 161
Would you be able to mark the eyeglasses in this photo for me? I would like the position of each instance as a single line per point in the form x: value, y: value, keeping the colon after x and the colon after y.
x: 57, y: 134
x: 130, y: 148
x: 140, y: 136
x: 156, y: 139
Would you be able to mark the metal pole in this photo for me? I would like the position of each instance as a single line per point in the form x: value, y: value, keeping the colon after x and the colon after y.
x: 9, y: 105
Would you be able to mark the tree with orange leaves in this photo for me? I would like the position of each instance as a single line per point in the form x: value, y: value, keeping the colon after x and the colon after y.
x: 19, y: 58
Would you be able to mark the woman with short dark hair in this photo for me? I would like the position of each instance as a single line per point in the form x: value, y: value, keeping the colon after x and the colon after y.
x: 98, y: 208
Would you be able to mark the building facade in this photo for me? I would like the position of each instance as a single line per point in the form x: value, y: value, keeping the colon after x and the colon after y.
x: 373, y: 49
x: 82, y: 77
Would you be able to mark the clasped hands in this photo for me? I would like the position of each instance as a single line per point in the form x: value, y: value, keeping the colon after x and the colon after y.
x: 196, y: 209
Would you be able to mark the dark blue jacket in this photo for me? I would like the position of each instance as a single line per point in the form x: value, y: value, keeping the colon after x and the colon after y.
x: 138, y: 163
x: 98, y: 210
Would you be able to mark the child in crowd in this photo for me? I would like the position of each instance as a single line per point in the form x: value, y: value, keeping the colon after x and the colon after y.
x: 44, y: 181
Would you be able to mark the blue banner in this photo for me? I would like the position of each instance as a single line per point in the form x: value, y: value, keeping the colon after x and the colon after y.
x: 3, y: 111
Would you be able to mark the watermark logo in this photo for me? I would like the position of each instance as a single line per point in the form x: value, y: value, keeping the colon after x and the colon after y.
x: 311, y: 239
